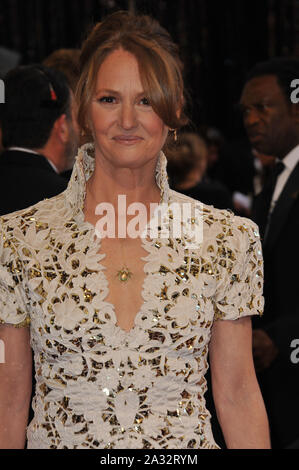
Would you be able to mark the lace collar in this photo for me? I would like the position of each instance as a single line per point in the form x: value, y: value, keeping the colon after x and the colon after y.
x: 83, y: 169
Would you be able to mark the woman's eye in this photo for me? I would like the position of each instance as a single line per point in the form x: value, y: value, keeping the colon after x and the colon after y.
x: 107, y: 99
x: 145, y: 101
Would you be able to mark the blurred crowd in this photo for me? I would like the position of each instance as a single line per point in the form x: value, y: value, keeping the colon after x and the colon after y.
x: 256, y: 177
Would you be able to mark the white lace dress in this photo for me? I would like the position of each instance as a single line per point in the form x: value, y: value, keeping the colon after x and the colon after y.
x: 98, y: 386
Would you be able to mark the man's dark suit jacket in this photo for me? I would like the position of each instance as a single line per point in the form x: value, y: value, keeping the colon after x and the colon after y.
x: 280, y: 382
x: 26, y: 179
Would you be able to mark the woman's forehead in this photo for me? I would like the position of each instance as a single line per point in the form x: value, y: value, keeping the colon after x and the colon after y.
x: 119, y: 68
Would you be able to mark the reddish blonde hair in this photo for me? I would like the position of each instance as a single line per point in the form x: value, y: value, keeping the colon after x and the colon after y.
x: 160, y: 67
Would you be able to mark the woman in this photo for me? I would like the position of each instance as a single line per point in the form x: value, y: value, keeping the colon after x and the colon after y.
x: 186, y: 168
x: 186, y: 161
x: 106, y: 376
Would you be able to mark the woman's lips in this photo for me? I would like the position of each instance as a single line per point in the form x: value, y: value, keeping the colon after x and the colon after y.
x: 127, y: 139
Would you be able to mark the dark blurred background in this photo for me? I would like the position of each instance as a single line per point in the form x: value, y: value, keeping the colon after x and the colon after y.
x: 219, y: 40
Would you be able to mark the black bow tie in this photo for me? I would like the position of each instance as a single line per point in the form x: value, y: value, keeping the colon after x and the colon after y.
x: 261, y: 212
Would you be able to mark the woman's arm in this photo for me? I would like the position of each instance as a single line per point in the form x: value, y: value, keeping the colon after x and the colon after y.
x: 239, y: 404
x: 15, y: 386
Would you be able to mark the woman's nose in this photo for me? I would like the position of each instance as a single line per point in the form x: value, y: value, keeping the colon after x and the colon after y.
x: 128, y: 116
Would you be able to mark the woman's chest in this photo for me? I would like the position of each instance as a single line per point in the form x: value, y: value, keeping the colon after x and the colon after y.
x: 125, y: 275
x: 78, y: 303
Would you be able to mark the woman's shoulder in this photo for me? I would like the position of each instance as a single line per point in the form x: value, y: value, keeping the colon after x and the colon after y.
x: 47, y: 213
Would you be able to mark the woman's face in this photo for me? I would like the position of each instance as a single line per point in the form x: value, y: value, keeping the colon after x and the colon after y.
x: 126, y: 130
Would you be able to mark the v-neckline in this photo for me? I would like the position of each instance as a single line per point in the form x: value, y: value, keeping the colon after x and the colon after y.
x: 112, y: 306
x: 101, y: 269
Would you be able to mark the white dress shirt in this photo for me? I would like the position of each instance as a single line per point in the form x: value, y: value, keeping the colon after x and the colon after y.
x: 290, y: 161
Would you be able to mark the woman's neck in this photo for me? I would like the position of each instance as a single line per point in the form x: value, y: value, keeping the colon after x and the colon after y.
x: 105, y: 188
x: 137, y: 185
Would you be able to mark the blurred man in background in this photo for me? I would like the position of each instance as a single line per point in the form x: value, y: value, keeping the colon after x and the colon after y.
x: 272, y: 123
x: 39, y: 134
x: 66, y: 61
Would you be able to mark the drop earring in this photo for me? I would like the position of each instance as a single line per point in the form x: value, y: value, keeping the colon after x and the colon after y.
x: 175, y: 136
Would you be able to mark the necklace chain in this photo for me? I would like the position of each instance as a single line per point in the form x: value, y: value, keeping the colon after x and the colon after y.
x: 124, y: 274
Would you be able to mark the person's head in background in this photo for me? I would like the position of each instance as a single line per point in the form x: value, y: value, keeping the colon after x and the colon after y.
x: 40, y: 114
x: 187, y: 161
x: 214, y: 141
x: 66, y: 61
x: 270, y: 118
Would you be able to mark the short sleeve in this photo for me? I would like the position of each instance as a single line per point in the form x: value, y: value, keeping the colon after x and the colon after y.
x: 13, y: 307
x: 240, y: 272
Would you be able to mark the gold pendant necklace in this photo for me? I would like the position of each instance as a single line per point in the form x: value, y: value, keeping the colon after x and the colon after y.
x: 124, y: 274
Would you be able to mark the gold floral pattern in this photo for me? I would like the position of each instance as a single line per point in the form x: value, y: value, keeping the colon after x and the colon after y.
x: 97, y: 385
